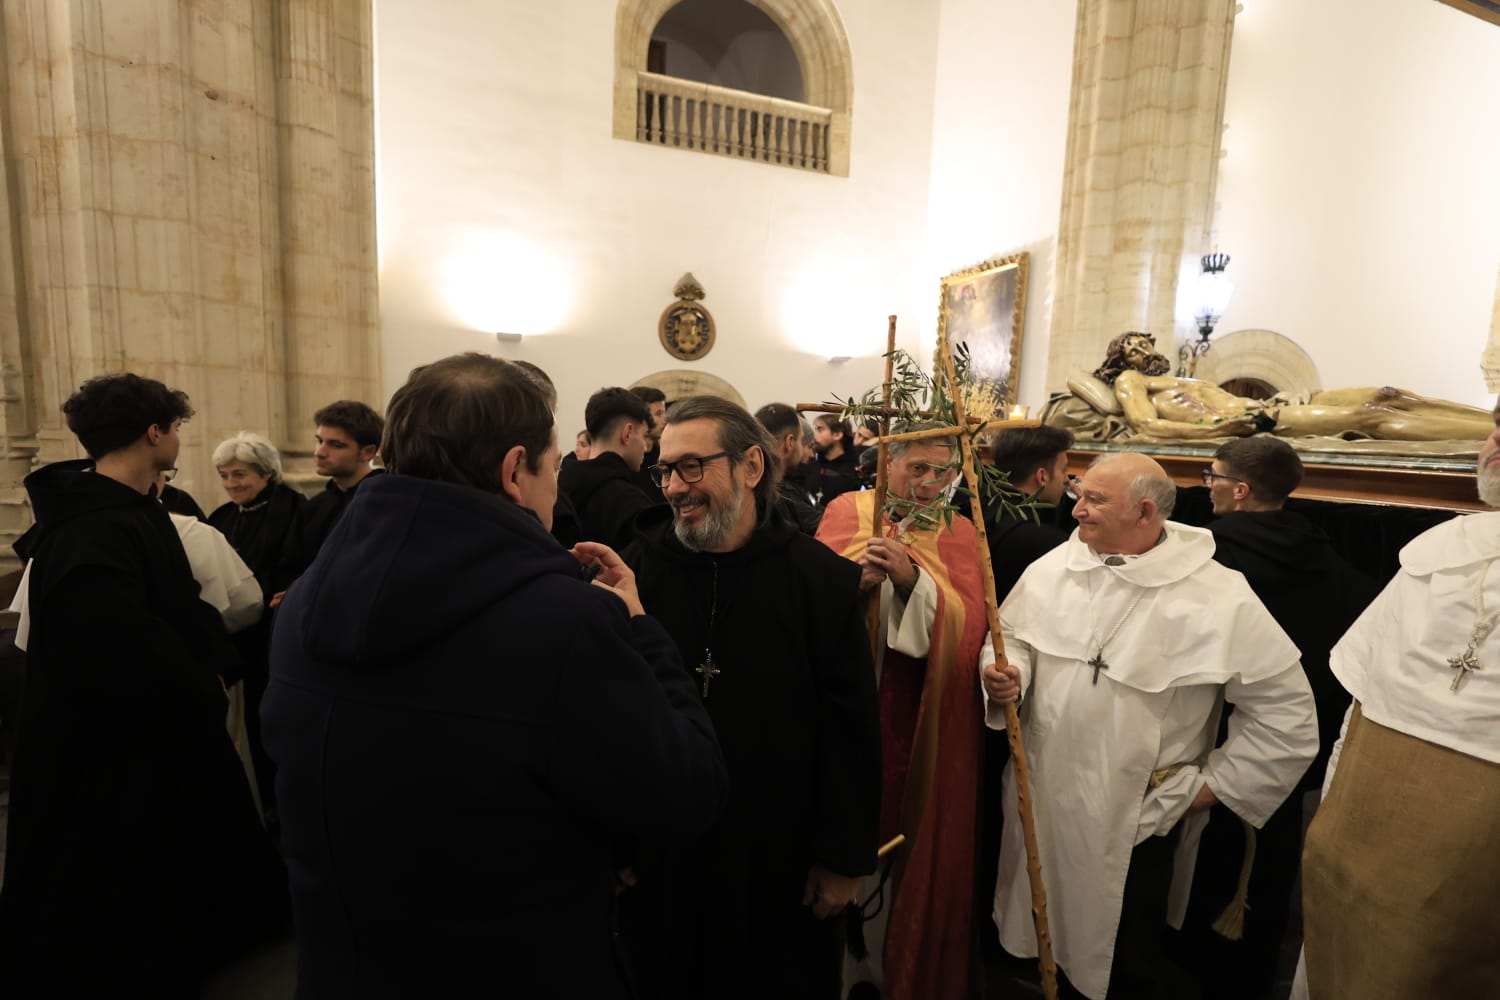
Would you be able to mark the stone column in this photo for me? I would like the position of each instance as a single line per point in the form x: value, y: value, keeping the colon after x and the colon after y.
x: 149, y: 196
x: 326, y: 154
x: 18, y: 441
x: 1145, y: 122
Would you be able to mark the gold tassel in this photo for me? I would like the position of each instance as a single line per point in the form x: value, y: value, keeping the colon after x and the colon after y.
x: 1231, y: 923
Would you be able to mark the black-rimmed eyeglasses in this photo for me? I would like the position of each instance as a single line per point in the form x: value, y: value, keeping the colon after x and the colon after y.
x: 1209, y: 475
x: 689, y: 470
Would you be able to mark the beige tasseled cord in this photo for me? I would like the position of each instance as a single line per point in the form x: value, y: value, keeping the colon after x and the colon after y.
x: 1231, y: 923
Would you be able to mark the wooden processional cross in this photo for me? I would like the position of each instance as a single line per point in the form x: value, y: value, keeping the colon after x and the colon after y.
x: 964, y: 432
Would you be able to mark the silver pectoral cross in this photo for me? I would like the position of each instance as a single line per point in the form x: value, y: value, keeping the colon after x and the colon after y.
x: 708, y: 671
x: 1463, y: 664
x: 1098, y: 664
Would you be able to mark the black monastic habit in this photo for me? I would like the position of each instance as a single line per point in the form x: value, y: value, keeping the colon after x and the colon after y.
x: 266, y: 533
x: 181, y: 502
x: 1015, y: 543
x: 320, y: 516
x: 136, y: 862
x: 792, y: 697
x: 826, y: 478
x: 796, y: 507
x: 1314, y: 595
x: 607, y: 498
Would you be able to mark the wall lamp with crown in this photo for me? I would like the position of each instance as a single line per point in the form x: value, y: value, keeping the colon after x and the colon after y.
x: 1212, y: 292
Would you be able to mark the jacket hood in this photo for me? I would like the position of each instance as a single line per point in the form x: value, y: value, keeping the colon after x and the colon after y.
x: 581, y: 480
x: 1281, y: 541
x: 64, y: 490
x: 411, y: 560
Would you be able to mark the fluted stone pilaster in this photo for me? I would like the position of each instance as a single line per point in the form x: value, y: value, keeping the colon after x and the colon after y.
x: 1143, y: 142
x: 189, y: 194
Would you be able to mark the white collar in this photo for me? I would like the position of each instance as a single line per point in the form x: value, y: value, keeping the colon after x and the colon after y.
x: 1182, y: 550
x: 1463, y: 541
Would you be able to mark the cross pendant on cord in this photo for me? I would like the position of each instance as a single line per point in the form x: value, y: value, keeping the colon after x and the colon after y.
x: 708, y: 671
x: 1098, y: 664
x: 1462, y: 665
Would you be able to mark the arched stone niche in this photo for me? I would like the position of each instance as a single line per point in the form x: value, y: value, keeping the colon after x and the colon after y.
x: 817, y: 36
x: 679, y: 383
x: 1263, y: 355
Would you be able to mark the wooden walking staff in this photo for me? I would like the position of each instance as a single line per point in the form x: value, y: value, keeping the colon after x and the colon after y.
x: 872, y: 608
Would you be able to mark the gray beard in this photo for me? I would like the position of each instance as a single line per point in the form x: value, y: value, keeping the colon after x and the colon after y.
x: 715, y: 528
x: 1489, y: 485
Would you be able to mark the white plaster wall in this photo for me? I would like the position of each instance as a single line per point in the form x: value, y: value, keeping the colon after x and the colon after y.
x: 504, y: 204
x: 1359, y: 197
x: 1005, y: 70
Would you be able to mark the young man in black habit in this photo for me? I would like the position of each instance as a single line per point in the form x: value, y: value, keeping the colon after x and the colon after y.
x: 785, y: 427
x: 136, y: 861
x: 605, y: 491
x: 347, y: 433
x: 1314, y: 595
x: 771, y: 622
x: 834, y: 469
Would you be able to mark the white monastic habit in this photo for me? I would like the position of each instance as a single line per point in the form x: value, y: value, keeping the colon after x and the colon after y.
x: 1173, y: 635
x: 226, y: 584
x: 1395, y: 658
x: 1424, y: 660
x: 224, y: 581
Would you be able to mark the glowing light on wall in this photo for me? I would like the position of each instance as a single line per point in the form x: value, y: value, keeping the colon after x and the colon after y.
x: 835, y: 313
x: 494, y: 281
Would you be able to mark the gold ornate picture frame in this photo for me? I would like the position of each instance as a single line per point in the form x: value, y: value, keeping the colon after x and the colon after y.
x: 984, y: 308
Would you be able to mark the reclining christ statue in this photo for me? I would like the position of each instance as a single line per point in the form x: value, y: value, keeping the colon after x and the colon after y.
x: 1167, y: 408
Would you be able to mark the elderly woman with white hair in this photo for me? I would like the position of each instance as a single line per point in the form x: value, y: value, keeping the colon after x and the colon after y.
x: 261, y: 520
x: 262, y: 511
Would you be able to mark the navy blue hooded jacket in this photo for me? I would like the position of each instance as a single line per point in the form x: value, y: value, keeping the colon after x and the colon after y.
x: 463, y: 728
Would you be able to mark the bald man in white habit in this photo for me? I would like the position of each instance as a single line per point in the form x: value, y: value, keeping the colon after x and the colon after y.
x: 1124, y: 643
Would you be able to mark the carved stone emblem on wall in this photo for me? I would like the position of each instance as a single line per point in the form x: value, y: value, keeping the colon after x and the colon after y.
x: 686, y: 328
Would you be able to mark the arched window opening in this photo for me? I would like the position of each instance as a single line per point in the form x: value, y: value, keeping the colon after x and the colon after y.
x: 731, y: 44
x: 764, y: 80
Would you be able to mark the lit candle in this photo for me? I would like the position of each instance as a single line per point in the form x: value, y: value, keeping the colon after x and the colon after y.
x: 1018, y: 412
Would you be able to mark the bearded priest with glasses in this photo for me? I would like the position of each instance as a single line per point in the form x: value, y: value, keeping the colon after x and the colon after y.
x: 770, y: 621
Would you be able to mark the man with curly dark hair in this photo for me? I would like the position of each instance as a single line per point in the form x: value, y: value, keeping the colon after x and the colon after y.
x: 136, y: 862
